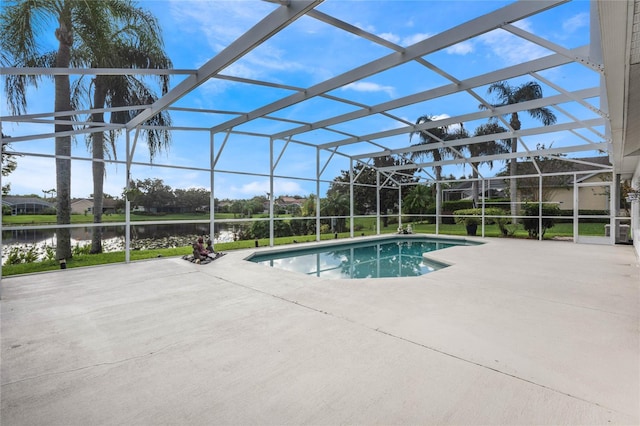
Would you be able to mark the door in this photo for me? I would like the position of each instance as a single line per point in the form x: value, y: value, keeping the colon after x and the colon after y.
x: 592, y: 219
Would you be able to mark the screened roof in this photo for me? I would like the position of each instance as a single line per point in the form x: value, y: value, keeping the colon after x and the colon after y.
x: 366, y: 105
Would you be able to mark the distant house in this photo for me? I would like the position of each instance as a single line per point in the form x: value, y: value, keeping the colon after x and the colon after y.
x: 26, y: 205
x: 85, y: 206
x: 557, y: 189
x: 289, y: 203
x: 463, y: 191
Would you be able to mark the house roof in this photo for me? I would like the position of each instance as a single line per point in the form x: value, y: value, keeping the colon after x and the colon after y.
x: 11, y: 200
x: 564, y: 165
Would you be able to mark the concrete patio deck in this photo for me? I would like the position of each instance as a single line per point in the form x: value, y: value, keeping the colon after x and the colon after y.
x: 514, y: 332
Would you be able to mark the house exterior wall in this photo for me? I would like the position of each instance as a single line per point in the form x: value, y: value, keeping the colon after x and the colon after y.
x: 590, y: 198
x: 81, y: 207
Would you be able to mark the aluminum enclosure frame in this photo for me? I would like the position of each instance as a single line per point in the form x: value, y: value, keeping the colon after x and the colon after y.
x: 592, y: 134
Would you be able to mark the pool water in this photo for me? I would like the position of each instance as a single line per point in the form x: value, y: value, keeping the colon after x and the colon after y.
x: 395, y: 257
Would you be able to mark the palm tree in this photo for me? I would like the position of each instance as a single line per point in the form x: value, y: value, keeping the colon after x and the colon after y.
x: 508, y: 95
x: 336, y: 204
x: 485, y: 148
x: 417, y: 200
x: 137, y: 44
x: 79, y: 22
x: 431, y: 136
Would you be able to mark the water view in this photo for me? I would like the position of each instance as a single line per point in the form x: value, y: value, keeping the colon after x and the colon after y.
x: 113, y: 237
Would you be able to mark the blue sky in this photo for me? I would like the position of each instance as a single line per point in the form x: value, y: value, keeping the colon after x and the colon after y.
x: 306, y: 53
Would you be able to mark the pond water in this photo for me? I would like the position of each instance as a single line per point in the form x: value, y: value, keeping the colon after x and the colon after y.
x: 223, y: 233
x: 113, y: 237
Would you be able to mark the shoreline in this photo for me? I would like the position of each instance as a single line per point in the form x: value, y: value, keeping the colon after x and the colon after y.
x: 112, y: 244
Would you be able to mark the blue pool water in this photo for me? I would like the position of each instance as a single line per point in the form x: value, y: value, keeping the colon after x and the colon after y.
x: 392, y: 257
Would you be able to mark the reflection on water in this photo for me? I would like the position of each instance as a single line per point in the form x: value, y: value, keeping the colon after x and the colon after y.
x: 362, y: 260
x: 113, y: 237
x: 223, y: 233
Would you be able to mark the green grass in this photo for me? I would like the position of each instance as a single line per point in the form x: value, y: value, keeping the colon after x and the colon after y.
x: 43, y: 219
x: 366, y: 225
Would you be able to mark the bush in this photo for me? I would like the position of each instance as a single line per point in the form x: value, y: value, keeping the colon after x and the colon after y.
x: 468, y: 216
x: 17, y: 255
x: 49, y: 211
x: 281, y: 228
x: 259, y: 229
x: 463, y: 218
x: 452, y: 206
x: 449, y: 208
x: 531, y: 224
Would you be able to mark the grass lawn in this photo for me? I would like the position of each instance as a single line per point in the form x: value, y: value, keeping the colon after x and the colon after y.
x: 42, y: 219
x: 365, y: 226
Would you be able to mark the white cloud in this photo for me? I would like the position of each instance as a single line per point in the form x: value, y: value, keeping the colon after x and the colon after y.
x: 415, y: 38
x: 363, y: 86
x: 461, y: 48
x: 390, y: 37
x: 576, y: 22
x: 510, y: 48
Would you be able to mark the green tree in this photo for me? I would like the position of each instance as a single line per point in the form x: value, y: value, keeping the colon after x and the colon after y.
x: 432, y: 136
x: 22, y: 24
x: 192, y: 199
x: 153, y: 194
x: 418, y: 200
x: 133, y: 41
x: 365, y: 185
x: 492, y: 147
x: 236, y: 207
x: 309, y: 206
x: 335, y: 204
x: 509, y: 95
x: 9, y: 164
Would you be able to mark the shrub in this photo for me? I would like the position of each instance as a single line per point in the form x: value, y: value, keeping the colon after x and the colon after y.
x: 473, y: 217
x: 259, y: 229
x: 78, y: 249
x: 281, y: 228
x: 452, y: 206
x: 531, y: 224
x: 468, y: 216
x: 17, y: 255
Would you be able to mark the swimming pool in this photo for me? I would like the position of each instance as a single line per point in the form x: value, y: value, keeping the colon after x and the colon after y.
x: 399, y: 256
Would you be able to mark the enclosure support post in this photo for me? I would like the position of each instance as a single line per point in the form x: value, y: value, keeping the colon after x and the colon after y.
x: 399, y: 206
x: 482, y: 197
x: 377, y: 202
x: 438, y: 206
x: 212, y: 207
x: 575, y: 208
x: 127, y: 204
x: 540, y: 208
x: 317, y: 194
x: 270, y: 195
x: 351, y: 207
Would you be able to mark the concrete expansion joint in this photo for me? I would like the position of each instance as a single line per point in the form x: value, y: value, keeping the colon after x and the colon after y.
x: 430, y: 348
x: 87, y: 367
